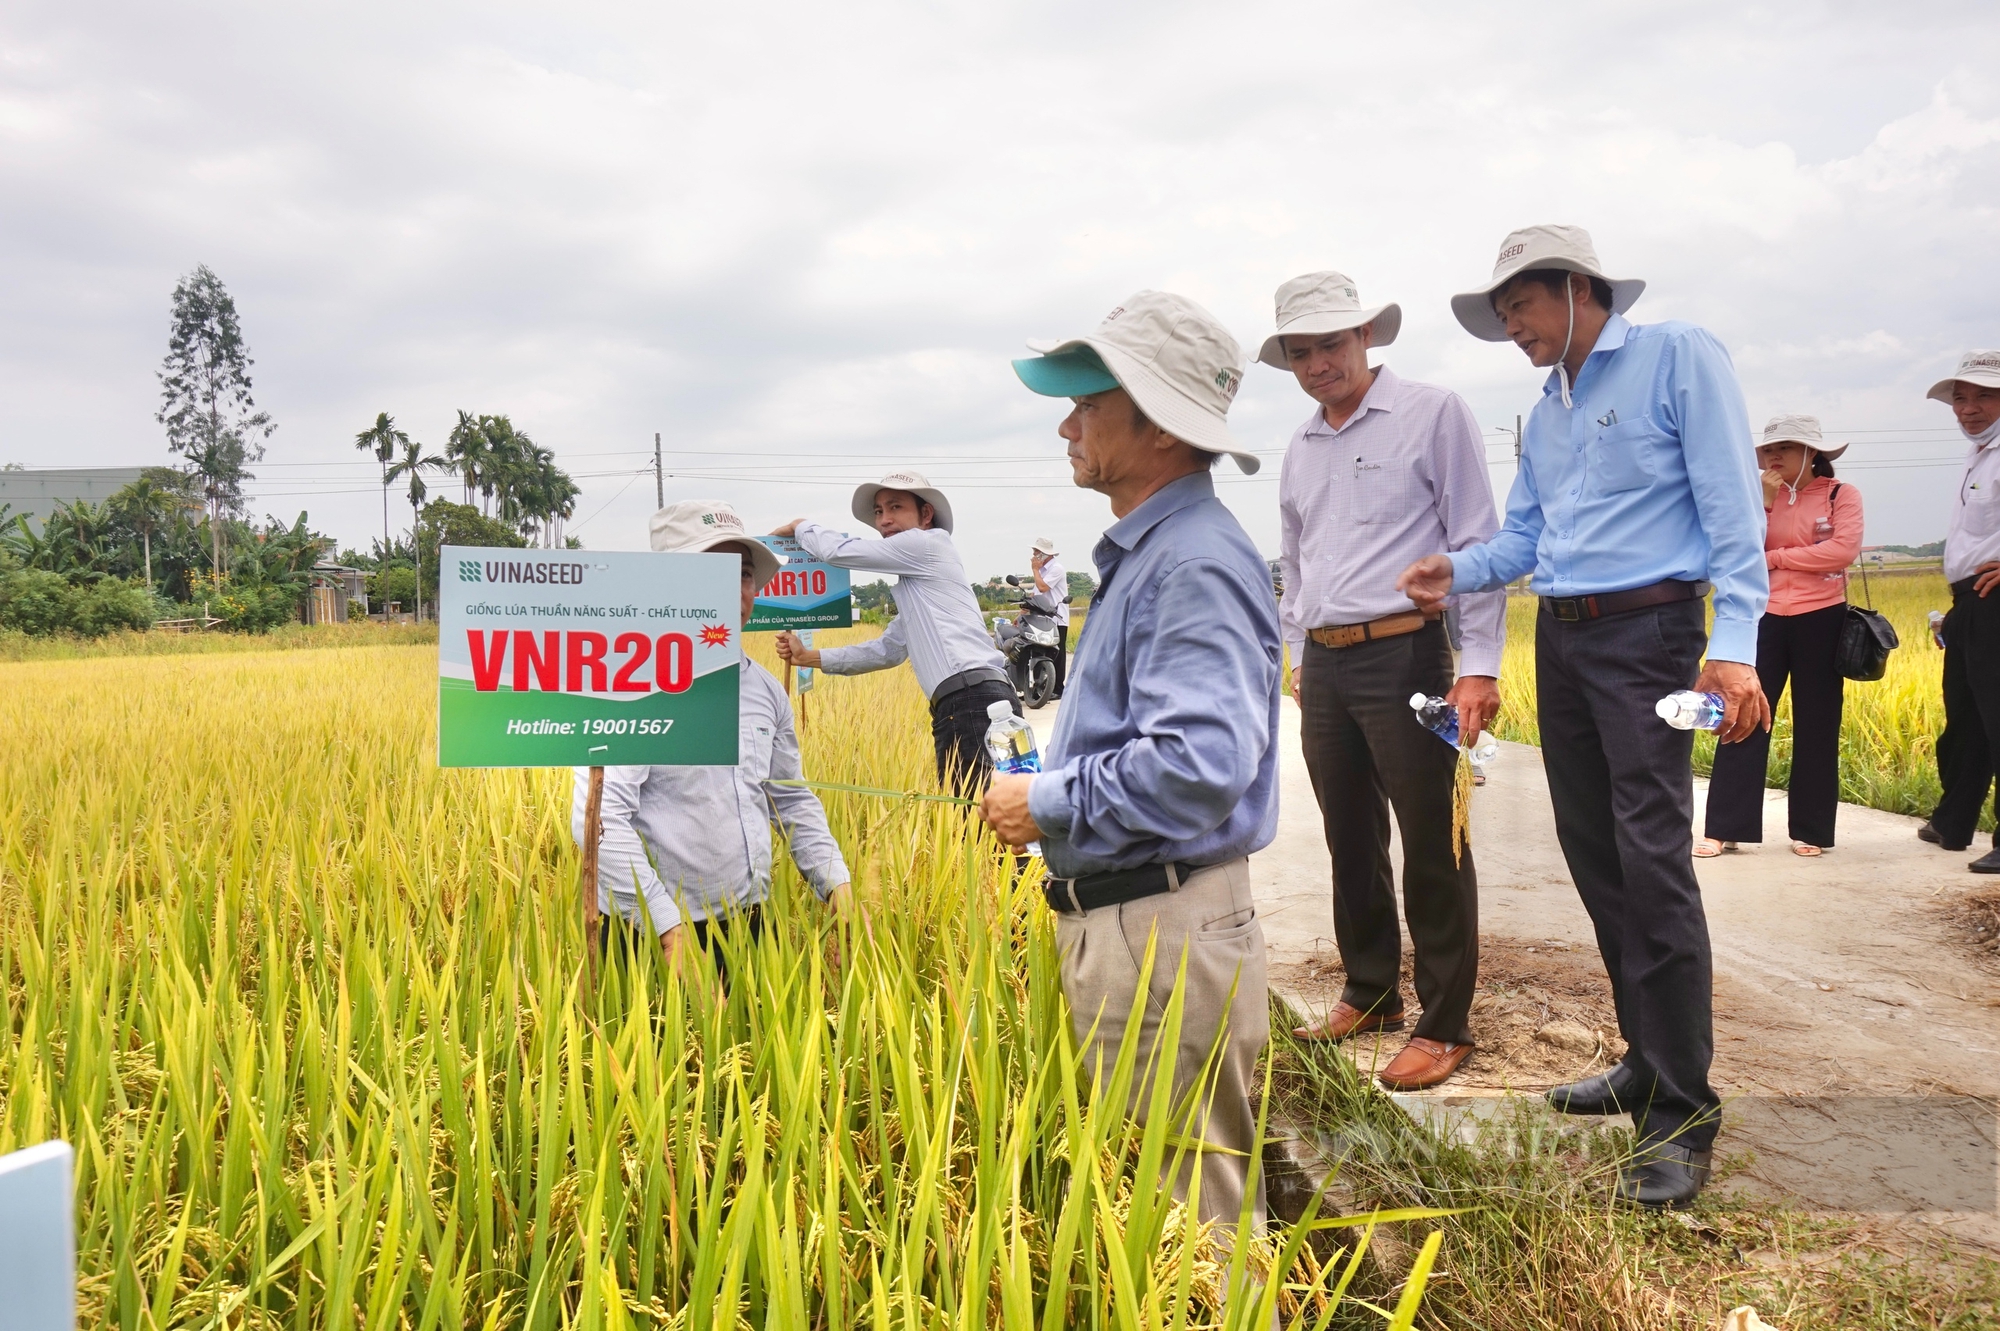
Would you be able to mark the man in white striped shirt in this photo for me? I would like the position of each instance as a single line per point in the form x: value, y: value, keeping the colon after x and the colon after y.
x: 938, y: 628
x: 1384, y: 469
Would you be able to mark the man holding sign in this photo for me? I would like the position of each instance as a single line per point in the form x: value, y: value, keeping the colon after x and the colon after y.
x: 671, y: 857
x: 937, y: 628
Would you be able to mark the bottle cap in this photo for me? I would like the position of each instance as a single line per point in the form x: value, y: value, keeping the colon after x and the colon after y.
x: 1417, y: 700
x: 1666, y: 708
x: 996, y: 710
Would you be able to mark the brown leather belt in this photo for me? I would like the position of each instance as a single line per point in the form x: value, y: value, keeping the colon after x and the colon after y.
x: 1574, y: 609
x: 1389, y: 626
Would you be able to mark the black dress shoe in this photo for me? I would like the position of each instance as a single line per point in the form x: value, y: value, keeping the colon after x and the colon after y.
x: 1612, y: 1092
x: 1930, y: 834
x: 1664, y: 1176
x: 1987, y: 863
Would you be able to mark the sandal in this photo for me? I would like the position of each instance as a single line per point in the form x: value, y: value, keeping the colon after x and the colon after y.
x: 1806, y: 850
x: 1707, y: 848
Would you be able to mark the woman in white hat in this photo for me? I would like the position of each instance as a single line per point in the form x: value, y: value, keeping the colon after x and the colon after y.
x: 1969, y: 749
x: 1812, y: 533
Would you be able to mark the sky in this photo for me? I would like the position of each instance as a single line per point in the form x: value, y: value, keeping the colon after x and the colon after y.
x: 801, y: 242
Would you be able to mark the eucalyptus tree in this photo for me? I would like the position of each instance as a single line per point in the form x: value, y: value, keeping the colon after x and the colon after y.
x: 205, y: 403
x: 382, y: 439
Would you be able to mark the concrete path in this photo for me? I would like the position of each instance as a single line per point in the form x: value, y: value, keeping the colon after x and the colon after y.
x: 1837, y: 980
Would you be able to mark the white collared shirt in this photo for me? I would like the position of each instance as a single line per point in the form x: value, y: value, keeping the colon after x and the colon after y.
x: 1057, y: 577
x: 1974, y: 537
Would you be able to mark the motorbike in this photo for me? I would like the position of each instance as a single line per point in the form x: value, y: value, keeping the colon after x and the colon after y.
x: 1030, y: 643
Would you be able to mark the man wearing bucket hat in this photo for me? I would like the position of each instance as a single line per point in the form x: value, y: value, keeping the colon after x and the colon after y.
x: 1053, y: 578
x: 937, y: 628
x: 1969, y: 748
x: 661, y: 863
x: 1384, y: 471
x: 1636, y: 494
x: 1162, y: 772
x: 1812, y: 533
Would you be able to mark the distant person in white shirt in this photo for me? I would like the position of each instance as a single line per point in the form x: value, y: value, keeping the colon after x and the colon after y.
x: 938, y: 628
x: 1968, y: 751
x: 1053, y: 578
x: 687, y: 850
x: 1383, y: 472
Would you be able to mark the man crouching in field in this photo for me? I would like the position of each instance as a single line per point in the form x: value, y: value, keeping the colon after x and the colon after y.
x: 1162, y: 773
x: 688, y: 849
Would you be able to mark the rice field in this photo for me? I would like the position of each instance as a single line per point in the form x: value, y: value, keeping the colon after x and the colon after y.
x: 312, y: 1013
x: 1889, y: 728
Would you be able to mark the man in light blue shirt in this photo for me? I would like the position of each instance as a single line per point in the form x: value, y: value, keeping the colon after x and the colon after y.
x: 1161, y: 776
x: 1636, y: 493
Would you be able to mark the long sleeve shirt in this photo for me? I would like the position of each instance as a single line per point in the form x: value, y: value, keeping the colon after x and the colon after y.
x: 690, y: 843
x: 1165, y: 749
x: 937, y: 628
x: 1054, y: 579
x: 1974, y: 535
x: 1810, y: 539
x: 1403, y: 477
x: 1649, y: 476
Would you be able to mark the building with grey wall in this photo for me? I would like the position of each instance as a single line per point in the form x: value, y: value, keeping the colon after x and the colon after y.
x: 37, y: 492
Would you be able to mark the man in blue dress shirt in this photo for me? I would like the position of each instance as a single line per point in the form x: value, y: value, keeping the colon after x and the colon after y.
x: 1636, y: 495
x: 1162, y: 774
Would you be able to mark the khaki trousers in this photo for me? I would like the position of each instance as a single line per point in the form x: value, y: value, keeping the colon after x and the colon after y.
x: 1213, y: 918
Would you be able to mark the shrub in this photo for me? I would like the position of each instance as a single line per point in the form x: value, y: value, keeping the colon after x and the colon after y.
x: 110, y: 605
x: 38, y: 602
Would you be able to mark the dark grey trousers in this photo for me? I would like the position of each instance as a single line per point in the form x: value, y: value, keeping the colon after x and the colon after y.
x: 1366, y: 752
x: 1969, y: 748
x: 1622, y: 786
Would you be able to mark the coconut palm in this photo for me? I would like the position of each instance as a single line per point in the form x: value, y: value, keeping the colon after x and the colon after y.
x: 413, y: 464
x: 145, y: 506
x: 382, y: 438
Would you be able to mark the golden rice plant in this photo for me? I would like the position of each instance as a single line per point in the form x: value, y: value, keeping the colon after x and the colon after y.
x: 312, y: 1012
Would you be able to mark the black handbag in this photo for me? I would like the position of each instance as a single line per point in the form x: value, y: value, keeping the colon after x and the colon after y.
x: 1866, y: 637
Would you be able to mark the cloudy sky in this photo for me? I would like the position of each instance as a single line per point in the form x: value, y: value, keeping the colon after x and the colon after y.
x: 802, y: 241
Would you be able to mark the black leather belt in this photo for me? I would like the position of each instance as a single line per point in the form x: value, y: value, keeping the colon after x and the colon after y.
x: 1574, y: 609
x: 1068, y: 896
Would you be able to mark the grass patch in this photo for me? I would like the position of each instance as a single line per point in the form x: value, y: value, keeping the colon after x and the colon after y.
x: 16, y: 646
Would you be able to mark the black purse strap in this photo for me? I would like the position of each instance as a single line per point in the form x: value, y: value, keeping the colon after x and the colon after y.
x: 1859, y: 562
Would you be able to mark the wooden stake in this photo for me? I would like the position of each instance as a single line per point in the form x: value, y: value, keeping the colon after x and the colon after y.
x: 593, y: 830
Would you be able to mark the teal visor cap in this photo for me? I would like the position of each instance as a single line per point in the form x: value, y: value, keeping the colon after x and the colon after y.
x: 1070, y: 373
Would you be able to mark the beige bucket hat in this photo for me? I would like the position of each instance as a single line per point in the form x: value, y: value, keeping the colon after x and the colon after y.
x: 1044, y: 545
x: 693, y: 526
x: 916, y: 483
x: 1974, y: 367
x: 1175, y: 358
x: 1800, y: 430
x: 1565, y: 247
x: 1321, y: 303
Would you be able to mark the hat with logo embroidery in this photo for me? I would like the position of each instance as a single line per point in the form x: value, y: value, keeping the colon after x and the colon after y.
x: 1800, y: 430
x: 696, y: 526
x: 1322, y: 303
x: 913, y: 482
x: 1974, y: 367
x: 1175, y: 359
x: 1530, y: 248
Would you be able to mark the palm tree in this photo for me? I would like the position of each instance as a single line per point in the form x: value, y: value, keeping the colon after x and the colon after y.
x: 144, y: 506
x: 414, y: 464
x: 467, y: 450
x: 382, y: 438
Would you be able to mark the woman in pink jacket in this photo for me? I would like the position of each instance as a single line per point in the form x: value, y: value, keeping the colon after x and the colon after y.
x: 1812, y: 532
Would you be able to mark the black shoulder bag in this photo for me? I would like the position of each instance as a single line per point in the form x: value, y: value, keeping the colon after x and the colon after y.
x: 1866, y: 637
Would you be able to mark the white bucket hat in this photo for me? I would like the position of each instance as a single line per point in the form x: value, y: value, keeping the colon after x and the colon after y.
x: 1176, y: 359
x: 1321, y: 303
x: 1974, y: 367
x: 913, y: 481
x: 1044, y: 545
x: 1565, y: 247
x: 1800, y: 430
x: 692, y: 526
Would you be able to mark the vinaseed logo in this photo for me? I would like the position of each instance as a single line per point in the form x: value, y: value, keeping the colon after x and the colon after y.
x: 468, y: 570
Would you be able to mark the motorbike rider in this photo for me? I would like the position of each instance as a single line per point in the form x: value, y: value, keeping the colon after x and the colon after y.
x: 1051, y: 577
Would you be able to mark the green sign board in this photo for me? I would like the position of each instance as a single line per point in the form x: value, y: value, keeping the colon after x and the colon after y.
x: 804, y: 593
x: 568, y: 658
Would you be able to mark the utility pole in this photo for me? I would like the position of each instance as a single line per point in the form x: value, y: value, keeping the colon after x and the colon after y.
x: 660, y: 477
x: 1517, y: 441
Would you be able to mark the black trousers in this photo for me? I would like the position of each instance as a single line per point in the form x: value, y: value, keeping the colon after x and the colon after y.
x: 958, y: 730
x: 1367, y: 753
x: 1970, y: 745
x: 622, y: 940
x: 1622, y: 787
x: 1798, y: 648
x: 1062, y: 657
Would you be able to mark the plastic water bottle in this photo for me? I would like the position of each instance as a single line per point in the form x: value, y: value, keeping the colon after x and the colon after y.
x: 1010, y: 742
x: 1685, y: 709
x: 1441, y: 719
x: 1937, y: 628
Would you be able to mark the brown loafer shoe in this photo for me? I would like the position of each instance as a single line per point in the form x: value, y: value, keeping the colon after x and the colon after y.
x: 1348, y: 1020
x: 1423, y: 1063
